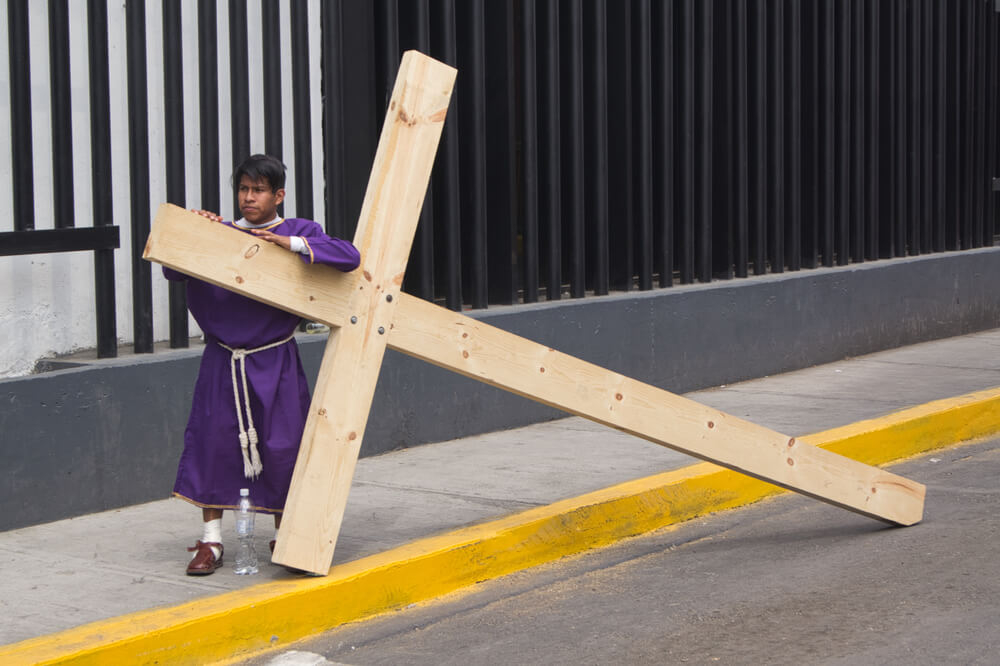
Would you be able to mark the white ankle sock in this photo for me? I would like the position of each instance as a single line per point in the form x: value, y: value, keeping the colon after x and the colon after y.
x: 213, y: 534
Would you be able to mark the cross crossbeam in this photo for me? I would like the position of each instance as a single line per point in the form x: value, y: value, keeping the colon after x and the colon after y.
x: 367, y: 312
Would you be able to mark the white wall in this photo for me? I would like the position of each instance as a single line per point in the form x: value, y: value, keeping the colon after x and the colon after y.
x: 47, y: 301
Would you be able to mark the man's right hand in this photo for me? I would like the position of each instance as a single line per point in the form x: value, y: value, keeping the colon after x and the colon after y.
x: 207, y: 213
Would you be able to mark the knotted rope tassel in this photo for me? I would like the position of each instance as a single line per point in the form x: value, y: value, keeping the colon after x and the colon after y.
x: 252, y: 466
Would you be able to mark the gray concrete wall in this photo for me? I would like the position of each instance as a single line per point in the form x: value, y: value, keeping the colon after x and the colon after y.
x: 108, y: 433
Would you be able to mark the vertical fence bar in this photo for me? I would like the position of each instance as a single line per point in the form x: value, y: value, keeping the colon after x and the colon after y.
x: 239, y: 94
x: 550, y: 149
x: 643, y: 133
x: 902, y: 104
x: 448, y: 249
x: 956, y: 130
x: 621, y: 144
x: 757, y: 139
x: 981, y: 182
x: 972, y: 127
x: 741, y: 205
x: 334, y: 163
x: 842, y: 131
x: 387, y: 53
x: 471, y: 91
x: 595, y: 121
x: 663, y: 136
x: 62, y: 122
x: 827, y: 134
x: 208, y: 97
x: 271, y: 35
x: 686, y: 108
x: 142, y: 292
x: 528, y: 121
x: 915, y: 239
x: 925, y: 166
x: 298, y: 15
x: 793, y: 144
x: 415, y: 32
x: 776, y: 138
x: 361, y: 110
x: 954, y: 127
x: 886, y: 17
x: 967, y: 120
x: 501, y: 142
x: 991, y: 54
x: 859, y: 160
x: 20, y: 115
x: 704, y: 138
x: 811, y: 118
x: 571, y: 66
x: 174, y: 168
x: 873, y: 129
x: 100, y: 162
x: 723, y: 169
x: 939, y: 174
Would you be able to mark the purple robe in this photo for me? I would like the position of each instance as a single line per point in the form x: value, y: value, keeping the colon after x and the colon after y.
x: 210, y: 472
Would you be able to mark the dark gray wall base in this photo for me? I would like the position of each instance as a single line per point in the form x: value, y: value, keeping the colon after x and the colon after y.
x: 109, y: 433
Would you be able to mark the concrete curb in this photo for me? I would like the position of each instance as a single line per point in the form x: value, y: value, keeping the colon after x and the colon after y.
x: 238, y: 624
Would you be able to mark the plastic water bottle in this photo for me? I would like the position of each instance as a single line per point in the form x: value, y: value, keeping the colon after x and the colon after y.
x: 246, y: 556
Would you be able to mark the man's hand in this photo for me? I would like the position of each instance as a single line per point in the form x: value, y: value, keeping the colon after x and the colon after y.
x: 283, y: 241
x: 207, y: 213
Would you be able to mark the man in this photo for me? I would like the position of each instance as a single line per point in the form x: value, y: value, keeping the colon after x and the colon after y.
x: 251, y: 397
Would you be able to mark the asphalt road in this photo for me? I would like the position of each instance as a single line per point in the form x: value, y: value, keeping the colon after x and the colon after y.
x: 787, y: 581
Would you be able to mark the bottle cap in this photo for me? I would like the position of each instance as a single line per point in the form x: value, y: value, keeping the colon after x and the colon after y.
x: 244, y: 492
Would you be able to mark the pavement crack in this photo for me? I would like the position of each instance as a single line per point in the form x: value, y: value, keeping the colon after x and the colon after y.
x: 963, y: 491
x: 446, y: 493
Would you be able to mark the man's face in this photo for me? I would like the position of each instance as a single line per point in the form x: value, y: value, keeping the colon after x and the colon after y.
x: 258, y: 203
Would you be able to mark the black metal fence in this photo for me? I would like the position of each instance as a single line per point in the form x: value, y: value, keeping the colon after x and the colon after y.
x: 591, y: 145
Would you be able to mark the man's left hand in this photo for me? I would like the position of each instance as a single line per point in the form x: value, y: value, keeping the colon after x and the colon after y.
x: 283, y: 241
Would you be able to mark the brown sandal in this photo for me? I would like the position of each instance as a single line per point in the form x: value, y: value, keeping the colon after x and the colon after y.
x: 204, y: 562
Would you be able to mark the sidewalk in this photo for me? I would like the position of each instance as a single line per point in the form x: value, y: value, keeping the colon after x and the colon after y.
x: 68, y: 573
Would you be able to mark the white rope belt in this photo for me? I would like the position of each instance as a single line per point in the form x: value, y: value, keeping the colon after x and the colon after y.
x: 248, y: 435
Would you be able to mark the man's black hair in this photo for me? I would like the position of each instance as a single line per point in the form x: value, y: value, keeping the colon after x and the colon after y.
x: 261, y: 167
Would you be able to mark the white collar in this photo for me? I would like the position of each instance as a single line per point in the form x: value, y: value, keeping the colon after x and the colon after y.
x: 243, y: 224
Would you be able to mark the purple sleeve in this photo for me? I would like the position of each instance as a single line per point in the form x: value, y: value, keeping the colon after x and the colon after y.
x: 323, y: 249
x: 173, y: 276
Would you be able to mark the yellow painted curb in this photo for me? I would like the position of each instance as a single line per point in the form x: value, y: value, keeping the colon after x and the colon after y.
x: 243, y: 622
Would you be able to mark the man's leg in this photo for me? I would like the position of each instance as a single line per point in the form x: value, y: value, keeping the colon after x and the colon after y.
x: 277, y: 524
x: 207, y: 552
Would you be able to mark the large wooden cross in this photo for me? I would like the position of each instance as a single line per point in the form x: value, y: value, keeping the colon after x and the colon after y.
x: 366, y: 311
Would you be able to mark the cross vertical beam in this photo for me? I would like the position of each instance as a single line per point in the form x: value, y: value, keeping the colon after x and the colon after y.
x: 349, y: 370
